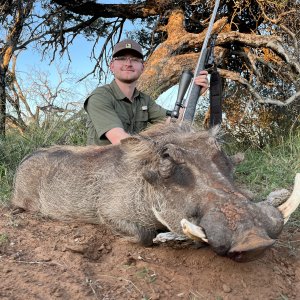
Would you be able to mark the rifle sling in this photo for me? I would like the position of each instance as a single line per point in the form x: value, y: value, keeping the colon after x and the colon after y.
x: 215, y: 98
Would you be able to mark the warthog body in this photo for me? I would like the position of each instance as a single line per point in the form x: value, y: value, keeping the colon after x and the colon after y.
x: 146, y: 184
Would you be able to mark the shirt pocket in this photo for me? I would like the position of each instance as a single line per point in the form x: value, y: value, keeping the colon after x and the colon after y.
x: 141, y: 120
x: 142, y: 115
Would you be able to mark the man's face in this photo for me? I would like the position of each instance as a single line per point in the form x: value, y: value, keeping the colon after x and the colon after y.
x: 127, y: 67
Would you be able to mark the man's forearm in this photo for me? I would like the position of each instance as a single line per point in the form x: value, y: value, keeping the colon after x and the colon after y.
x: 115, y: 135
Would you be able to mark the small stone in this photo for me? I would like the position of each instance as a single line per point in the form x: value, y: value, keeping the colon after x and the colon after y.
x: 17, y: 255
x: 101, y: 248
x: 43, y: 258
x: 180, y: 295
x: 244, y: 284
x: 6, y: 270
x: 76, y: 248
x: 130, y: 261
x: 42, y: 254
x: 277, y: 270
x: 226, y: 288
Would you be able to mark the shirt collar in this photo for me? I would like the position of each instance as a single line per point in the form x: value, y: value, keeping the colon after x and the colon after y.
x: 119, y: 94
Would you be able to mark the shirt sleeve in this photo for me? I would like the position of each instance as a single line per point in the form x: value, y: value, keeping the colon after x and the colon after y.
x: 101, y: 111
x: 156, y: 112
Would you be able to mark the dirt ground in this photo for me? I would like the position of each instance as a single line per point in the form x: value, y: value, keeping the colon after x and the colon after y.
x: 45, y: 259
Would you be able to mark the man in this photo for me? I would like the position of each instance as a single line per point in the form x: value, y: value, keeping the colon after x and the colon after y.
x: 117, y: 110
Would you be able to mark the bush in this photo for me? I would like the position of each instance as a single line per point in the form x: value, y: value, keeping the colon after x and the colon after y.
x: 253, y: 123
x: 273, y: 167
x: 14, y: 147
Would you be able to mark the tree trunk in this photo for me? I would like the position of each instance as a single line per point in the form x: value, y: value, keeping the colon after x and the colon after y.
x: 2, y: 102
x: 164, y: 66
x: 21, y: 11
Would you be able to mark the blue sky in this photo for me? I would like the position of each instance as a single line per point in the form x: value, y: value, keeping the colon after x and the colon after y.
x: 81, y: 64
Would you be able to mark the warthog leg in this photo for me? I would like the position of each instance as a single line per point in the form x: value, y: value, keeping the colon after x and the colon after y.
x: 291, y: 204
x: 192, y: 231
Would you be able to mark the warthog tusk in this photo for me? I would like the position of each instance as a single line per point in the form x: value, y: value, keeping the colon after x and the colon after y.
x: 164, y: 237
x: 291, y: 204
x: 192, y: 231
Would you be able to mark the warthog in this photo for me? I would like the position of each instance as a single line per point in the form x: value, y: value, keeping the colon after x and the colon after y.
x: 170, y: 178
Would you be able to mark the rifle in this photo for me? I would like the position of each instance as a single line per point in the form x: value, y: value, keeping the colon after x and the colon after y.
x: 184, y: 82
x: 194, y: 90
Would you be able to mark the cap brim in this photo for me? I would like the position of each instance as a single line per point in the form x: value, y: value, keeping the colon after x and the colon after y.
x: 123, y: 51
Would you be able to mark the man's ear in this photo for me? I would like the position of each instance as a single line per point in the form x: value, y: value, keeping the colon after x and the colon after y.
x: 111, y: 66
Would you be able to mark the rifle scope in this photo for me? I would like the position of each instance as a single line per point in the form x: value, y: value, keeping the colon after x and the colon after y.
x: 184, y: 83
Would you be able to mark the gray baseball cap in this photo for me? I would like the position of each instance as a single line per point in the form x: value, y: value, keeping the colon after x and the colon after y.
x: 128, y: 45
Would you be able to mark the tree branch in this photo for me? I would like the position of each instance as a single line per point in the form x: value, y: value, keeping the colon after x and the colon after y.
x: 127, y: 11
x: 263, y: 100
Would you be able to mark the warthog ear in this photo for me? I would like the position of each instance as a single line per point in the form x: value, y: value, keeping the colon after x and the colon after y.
x: 137, y: 148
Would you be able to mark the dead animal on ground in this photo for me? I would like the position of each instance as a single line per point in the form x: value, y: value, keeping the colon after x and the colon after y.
x: 169, y: 178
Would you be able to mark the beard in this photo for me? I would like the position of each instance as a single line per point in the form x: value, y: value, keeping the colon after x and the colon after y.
x: 128, y: 76
x: 128, y: 80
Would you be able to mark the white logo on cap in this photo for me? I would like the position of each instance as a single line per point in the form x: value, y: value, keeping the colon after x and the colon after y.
x: 128, y: 46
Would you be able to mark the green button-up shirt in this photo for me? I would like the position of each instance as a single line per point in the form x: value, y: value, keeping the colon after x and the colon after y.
x: 108, y: 108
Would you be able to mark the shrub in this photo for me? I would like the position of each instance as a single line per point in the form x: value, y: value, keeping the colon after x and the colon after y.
x: 14, y: 147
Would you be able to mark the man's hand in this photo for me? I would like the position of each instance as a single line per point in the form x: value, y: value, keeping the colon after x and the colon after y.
x: 202, y: 80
